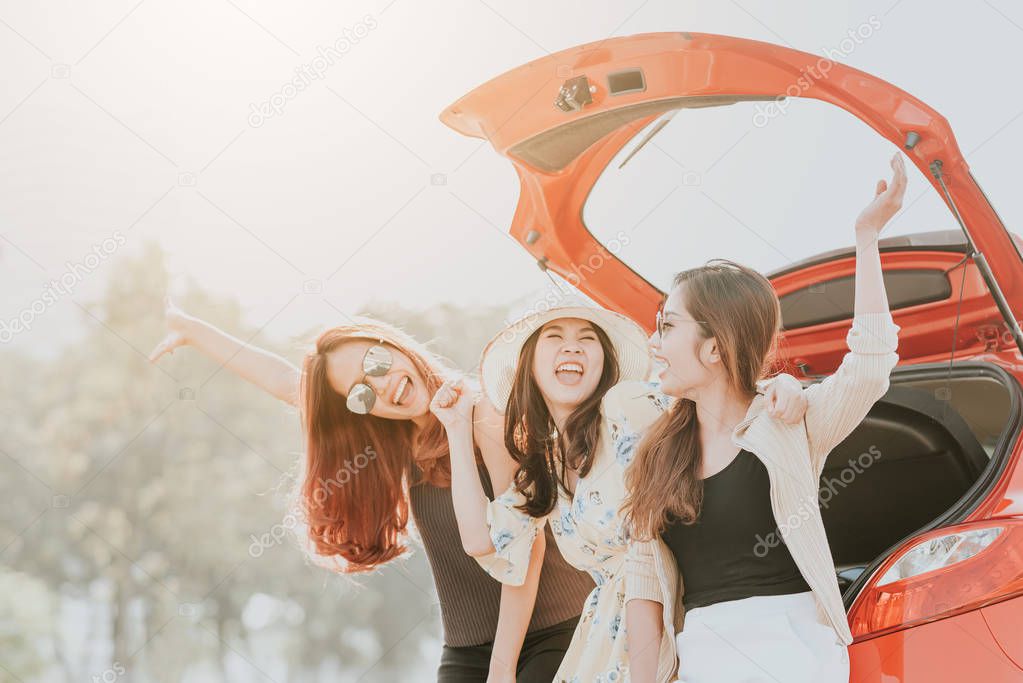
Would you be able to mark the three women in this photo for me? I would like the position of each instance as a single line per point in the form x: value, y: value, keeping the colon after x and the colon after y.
x: 641, y: 486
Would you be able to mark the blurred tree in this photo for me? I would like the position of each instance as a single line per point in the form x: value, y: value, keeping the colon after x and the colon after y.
x: 29, y: 605
x: 136, y: 491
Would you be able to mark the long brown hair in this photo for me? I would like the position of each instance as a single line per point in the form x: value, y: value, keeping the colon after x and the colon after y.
x: 740, y: 309
x: 350, y: 506
x: 545, y: 456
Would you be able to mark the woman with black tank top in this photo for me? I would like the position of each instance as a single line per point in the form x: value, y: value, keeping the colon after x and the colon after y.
x: 744, y: 528
x: 363, y: 394
x: 565, y: 375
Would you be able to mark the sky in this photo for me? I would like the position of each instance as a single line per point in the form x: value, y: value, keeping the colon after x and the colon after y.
x: 131, y: 122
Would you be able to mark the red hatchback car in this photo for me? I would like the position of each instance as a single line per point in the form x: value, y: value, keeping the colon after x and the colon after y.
x: 924, y: 501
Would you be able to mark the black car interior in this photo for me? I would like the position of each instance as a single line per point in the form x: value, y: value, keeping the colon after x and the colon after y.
x: 908, y: 462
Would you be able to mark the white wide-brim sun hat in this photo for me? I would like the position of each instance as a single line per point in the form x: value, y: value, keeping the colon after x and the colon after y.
x: 500, y: 356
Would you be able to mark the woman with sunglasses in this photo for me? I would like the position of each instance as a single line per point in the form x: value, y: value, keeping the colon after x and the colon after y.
x: 365, y: 390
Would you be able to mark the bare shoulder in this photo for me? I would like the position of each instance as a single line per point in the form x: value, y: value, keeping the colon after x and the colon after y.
x: 488, y: 419
x: 488, y: 432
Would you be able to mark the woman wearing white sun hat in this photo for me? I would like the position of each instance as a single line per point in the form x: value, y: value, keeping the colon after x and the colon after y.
x: 573, y: 383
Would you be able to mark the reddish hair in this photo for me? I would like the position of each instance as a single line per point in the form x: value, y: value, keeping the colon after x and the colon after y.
x: 352, y: 512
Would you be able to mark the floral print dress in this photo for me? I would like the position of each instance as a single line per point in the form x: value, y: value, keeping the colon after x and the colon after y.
x: 591, y: 535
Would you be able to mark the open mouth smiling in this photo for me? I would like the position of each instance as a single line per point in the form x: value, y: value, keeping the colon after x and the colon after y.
x: 569, y: 372
x: 402, y: 391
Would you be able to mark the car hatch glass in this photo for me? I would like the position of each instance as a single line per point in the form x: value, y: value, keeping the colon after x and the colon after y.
x: 760, y: 185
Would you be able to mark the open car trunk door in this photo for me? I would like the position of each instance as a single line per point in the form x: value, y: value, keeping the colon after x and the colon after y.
x: 562, y: 118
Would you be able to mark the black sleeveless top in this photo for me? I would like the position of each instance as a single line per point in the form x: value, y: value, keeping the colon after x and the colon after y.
x: 734, y: 549
x: 469, y: 598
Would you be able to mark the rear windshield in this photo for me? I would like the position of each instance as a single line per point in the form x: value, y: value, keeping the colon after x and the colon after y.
x: 767, y: 186
x: 834, y: 300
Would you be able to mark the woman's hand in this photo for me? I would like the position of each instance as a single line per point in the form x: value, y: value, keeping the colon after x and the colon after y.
x: 887, y: 201
x: 177, y: 330
x: 452, y: 404
x: 785, y: 399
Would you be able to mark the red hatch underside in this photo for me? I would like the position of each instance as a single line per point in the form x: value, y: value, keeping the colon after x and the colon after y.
x: 560, y: 154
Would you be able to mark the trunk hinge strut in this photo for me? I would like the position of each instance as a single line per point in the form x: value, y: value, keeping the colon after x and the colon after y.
x: 982, y: 264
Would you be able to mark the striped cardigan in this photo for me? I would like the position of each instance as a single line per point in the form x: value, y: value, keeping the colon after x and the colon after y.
x: 794, y: 456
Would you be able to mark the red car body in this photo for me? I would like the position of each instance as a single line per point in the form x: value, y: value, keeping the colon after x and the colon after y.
x: 562, y: 118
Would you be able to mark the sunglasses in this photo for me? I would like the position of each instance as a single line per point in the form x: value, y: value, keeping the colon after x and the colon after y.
x: 375, y: 363
x: 659, y: 321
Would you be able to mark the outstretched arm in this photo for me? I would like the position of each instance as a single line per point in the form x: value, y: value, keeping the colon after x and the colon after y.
x: 266, y: 370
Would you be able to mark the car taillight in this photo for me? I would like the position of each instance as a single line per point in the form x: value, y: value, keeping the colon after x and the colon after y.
x: 944, y: 572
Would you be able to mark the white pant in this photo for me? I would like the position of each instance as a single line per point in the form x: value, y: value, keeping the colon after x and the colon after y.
x: 761, y: 639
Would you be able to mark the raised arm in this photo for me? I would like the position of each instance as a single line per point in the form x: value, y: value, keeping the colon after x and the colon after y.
x: 519, y: 571
x: 453, y: 406
x: 839, y: 403
x: 870, y: 293
x: 266, y: 370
